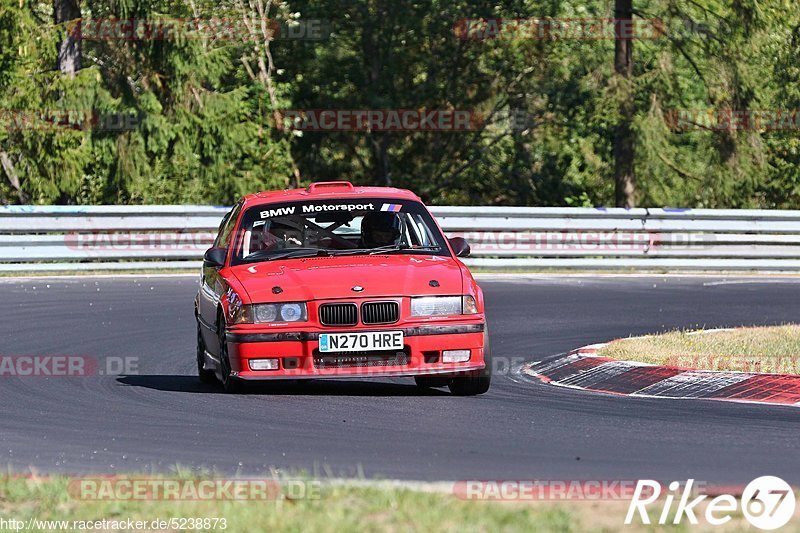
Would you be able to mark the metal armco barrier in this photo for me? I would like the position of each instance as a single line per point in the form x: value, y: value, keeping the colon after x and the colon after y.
x: 35, y: 238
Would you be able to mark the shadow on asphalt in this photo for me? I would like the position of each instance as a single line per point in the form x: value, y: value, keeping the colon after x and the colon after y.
x: 168, y: 383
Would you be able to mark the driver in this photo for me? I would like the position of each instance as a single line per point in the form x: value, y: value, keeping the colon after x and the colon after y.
x: 287, y: 235
x: 380, y: 228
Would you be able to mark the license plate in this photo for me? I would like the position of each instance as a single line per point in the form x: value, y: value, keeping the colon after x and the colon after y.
x: 357, y: 342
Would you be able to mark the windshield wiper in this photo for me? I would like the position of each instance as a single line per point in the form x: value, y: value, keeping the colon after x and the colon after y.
x: 398, y: 247
x: 381, y: 249
x: 293, y: 253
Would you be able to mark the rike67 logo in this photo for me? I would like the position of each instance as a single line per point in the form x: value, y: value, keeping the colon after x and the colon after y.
x: 767, y: 502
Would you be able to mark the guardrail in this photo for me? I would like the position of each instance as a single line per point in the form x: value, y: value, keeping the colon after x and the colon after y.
x: 57, y: 238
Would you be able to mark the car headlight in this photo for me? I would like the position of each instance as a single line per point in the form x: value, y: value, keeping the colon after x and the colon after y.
x: 268, y: 313
x: 443, y: 305
x: 265, y: 312
x: 293, y: 312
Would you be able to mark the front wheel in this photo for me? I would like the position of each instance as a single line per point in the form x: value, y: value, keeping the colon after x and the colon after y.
x: 229, y: 382
x: 479, y: 382
x: 205, y: 376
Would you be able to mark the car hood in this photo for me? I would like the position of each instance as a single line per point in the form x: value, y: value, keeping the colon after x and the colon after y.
x: 320, y: 278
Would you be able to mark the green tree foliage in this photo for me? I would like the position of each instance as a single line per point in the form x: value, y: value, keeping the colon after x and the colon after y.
x: 201, y: 132
x: 207, y: 109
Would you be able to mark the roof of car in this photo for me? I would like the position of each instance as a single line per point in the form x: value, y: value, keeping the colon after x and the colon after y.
x: 328, y: 189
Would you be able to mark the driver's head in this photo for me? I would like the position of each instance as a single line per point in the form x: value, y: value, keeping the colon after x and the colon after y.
x: 288, y: 235
x: 380, y: 228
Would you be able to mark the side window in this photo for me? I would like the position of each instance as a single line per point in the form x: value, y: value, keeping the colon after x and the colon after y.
x: 221, y: 227
x: 226, y: 227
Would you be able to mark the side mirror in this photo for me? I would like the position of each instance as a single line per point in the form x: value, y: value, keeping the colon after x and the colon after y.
x: 215, y: 257
x: 460, y: 246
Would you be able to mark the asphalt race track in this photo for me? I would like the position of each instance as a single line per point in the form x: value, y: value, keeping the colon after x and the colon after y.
x: 521, y: 429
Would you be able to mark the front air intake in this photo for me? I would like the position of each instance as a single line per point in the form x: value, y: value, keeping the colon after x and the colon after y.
x: 374, y: 313
x: 338, y: 314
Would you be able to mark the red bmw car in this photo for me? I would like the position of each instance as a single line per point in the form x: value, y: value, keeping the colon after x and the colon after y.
x: 339, y: 281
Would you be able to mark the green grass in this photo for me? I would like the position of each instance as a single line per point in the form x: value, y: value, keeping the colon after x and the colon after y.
x: 765, y: 349
x: 338, y: 507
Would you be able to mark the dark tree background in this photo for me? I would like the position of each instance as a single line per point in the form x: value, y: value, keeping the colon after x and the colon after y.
x: 570, y: 121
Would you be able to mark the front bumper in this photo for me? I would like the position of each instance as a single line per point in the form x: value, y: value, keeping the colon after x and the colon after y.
x: 297, y: 352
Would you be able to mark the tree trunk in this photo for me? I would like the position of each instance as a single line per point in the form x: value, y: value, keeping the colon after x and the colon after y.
x: 624, y: 141
x: 254, y: 17
x: 380, y: 153
x: 374, y: 48
x: 69, y: 50
x: 11, y: 174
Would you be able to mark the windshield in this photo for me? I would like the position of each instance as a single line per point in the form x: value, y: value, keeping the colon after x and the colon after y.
x: 336, y: 227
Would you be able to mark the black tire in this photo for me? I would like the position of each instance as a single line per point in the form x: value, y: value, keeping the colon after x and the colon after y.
x: 479, y: 382
x: 431, y: 382
x: 229, y: 382
x: 206, y: 376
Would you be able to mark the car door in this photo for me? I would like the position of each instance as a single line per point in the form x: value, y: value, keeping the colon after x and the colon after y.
x: 213, y: 285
